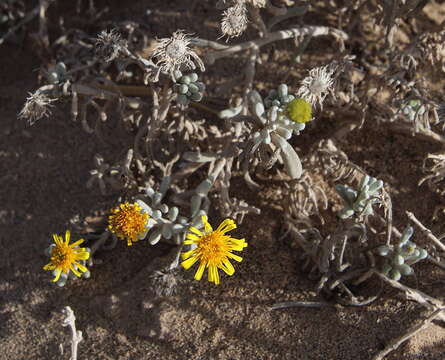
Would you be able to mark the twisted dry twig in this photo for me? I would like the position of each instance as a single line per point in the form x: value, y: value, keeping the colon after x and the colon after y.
x: 76, y: 335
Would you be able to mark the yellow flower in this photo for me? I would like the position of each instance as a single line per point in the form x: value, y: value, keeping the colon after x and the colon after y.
x: 213, y: 250
x: 65, y: 256
x: 299, y: 110
x: 129, y: 221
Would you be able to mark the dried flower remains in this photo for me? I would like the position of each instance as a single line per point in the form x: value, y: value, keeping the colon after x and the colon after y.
x: 173, y: 53
x: 317, y: 85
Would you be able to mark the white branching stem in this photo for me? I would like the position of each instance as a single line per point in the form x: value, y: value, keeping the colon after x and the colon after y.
x: 313, y: 31
x: 305, y: 304
x: 427, y: 232
x: 76, y: 335
x: 394, y: 344
x: 425, y: 300
x: 43, y: 24
x: 29, y: 17
x: 422, y: 133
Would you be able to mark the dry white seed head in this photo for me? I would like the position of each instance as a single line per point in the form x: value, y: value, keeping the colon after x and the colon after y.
x: 109, y: 44
x: 315, y: 87
x: 165, y: 283
x: 441, y: 112
x: 37, y: 105
x: 174, y: 52
x: 234, y: 21
x: 257, y: 3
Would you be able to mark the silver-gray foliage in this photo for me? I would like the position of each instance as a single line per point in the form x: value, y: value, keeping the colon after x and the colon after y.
x: 167, y: 223
x: 188, y: 88
x: 401, y: 257
x: 269, y: 130
x: 359, y: 202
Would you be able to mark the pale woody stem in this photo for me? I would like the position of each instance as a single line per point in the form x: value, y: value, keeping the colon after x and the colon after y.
x: 76, y: 335
x: 426, y: 231
x: 275, y: 36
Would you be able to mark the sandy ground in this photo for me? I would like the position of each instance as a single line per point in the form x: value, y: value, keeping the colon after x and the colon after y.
x: 43, y: 173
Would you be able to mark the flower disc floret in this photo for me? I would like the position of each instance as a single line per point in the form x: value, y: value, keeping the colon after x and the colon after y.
x: 129, y: 222
x: 299, y: 110
x: 65, y: 257
x: 213, y: 249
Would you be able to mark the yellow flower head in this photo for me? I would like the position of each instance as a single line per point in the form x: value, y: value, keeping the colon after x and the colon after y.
x: 129, y: 221
x: 213, y: 249
x: 65, y: 256
x: 299, y: 110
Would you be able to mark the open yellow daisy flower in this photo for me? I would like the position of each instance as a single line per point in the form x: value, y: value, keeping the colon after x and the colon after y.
x: 213, y: 249
x: 65, y: 257
x: 129, y: 222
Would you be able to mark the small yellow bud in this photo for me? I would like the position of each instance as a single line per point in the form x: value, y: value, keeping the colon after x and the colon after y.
x: 299, y: 110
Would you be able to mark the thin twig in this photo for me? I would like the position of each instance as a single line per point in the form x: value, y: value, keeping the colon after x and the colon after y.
x: 307, y: 304
x: 313, y: 31
x: 76, y: 335
x: 31, y: 15
x: 423, y: 133
x: 411, y: 294
x: 395, y: 343
x: 427, y: 232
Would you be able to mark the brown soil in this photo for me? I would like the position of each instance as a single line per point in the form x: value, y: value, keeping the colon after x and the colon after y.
x: 43, y: 173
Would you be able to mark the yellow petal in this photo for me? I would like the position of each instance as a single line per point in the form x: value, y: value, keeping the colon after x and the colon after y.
x: 226, y: 226
x: 210, y: 276
x: 58, y: 272
x: 200, y: 271
x: 78, y: 242
x: 191, y: 236
x: 207, y: 227
x: 188, y: 242
x: 235, y: 257
x: 49, y: 266
x: 77, y: 273
x: 67, y: 237
x: 187, y: 264
x: 187, y: 254
x: 237, y: 244
x: 215, y: 275
x: 81, y: 267
x: 239, y: 241
x: 228, y: 267
x: 195, y: 230
x: 84, y: 255
x: 56, y: 239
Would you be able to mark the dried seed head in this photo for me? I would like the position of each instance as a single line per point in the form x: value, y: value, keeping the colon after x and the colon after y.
x: 234, y: 21
x: 317, y: 85
x: 109, y: 44
x: 165, y: 283
x: 37, y: 106
x: 174, y: 52
x: 257, y: 3
x: 441, y: 112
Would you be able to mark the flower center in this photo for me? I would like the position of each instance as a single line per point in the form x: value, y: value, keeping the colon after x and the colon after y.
x: 62, y: 256
x: 317, y: 87
x: 299, y: 110
x: 176, y: 49
x: 128, y: 221
x: 213, y: 248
